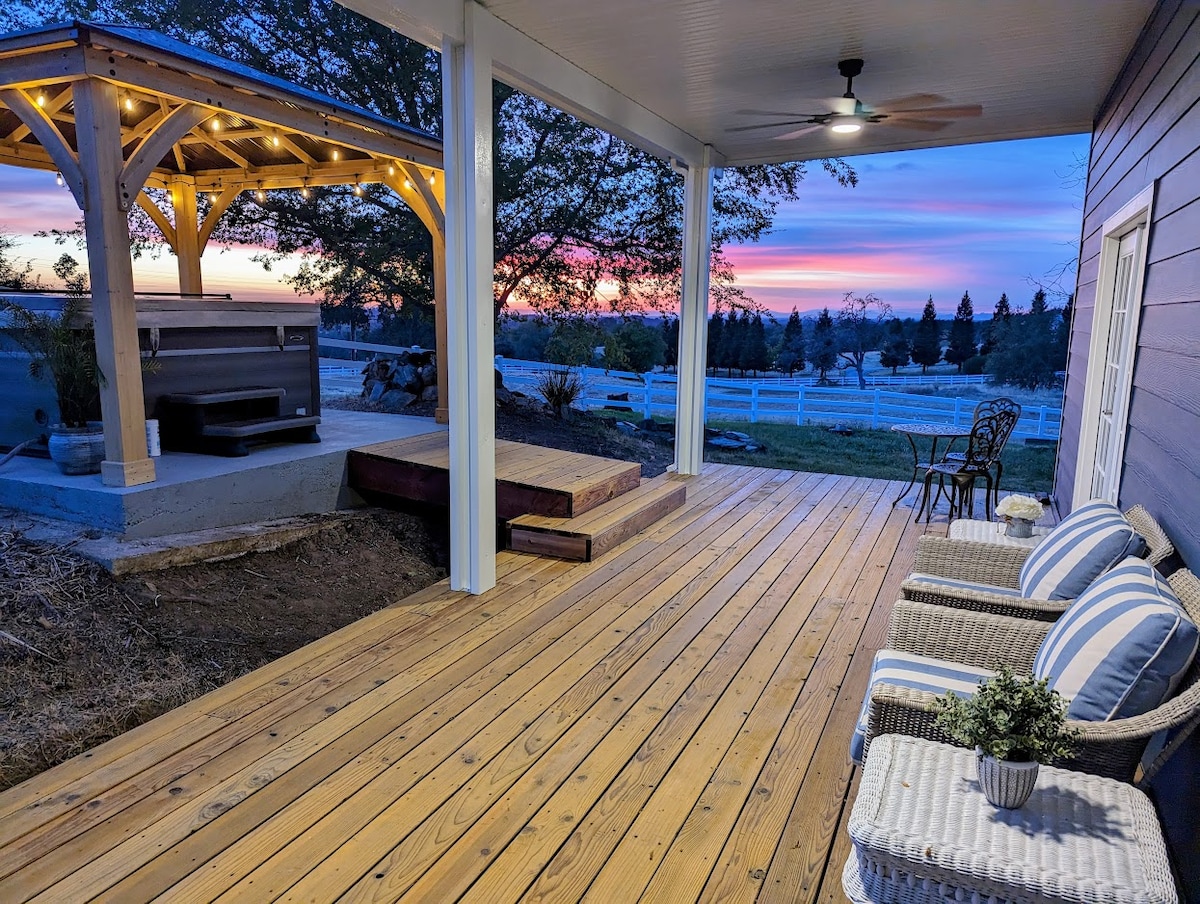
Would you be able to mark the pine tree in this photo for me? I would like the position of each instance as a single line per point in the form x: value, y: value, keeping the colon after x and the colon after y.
x: 962, y: 333
x: 895, y: 352
x: 1038, y: 305
x: 736, y: 329
x: 755, y: 355
x: 927, y: 343
x: 822, y: 347
x: 670, y: 330
x: 1000, y: 316
x: 791, y: 350
x: 716, y: 340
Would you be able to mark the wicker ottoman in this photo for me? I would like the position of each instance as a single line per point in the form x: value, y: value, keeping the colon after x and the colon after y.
x: 923, y: 832
x: 991, y: 532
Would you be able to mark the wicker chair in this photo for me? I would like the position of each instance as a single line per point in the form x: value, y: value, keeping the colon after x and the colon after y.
x: 1000, y: 567
x: 1113, y: 749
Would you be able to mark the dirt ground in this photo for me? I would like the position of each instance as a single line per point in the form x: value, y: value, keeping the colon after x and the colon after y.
x: 85, y: 656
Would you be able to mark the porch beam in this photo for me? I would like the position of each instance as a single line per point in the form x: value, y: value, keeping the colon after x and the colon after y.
x: 467, y: 136
x: 106, y: 225
x: 693, y: 315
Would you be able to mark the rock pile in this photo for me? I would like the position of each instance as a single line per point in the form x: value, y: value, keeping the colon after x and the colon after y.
x: 397, y: 382
x: 730, y: 440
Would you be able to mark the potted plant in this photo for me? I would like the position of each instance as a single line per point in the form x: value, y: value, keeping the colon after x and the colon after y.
x: 63, y: 351
x: 1020, y: 512
x: 1014, y: 723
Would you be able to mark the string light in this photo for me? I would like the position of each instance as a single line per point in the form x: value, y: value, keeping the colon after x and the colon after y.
x: 214, y: 197
x: 432, y: 179
x: 216, y: 124
x: 59, y: 179
x: 304, y: 192
x: 408, y: 184
x: 260, y: 195
x: 41, y: 99
x: 391, y: 169
x: 357, y: 187
x: 336, y: 153
x: 128, y: 101
x: 275, y: 140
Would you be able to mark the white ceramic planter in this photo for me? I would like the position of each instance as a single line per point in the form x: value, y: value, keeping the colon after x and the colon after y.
x: 1006, y: 783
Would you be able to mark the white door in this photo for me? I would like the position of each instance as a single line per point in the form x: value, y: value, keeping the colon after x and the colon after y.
x: 1117, y: 376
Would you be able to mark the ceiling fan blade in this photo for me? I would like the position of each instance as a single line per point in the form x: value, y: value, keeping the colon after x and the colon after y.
x: 815, y: 103
x: 922, y: 125
x: 951, y: 112
x: 796, y: 134
x: 908, y: 103
x: 770, y: 125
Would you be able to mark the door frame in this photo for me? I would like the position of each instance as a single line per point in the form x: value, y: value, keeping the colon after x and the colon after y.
x: 1136, y: 214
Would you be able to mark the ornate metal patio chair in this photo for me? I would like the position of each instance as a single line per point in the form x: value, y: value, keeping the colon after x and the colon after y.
x: 986, y: 442
x: 987, y: 408
x: 987, y: 577
x: 963, y: 647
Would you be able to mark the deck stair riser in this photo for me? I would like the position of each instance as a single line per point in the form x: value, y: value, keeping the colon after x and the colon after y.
x: 529, y: 479
x: 587, y: 537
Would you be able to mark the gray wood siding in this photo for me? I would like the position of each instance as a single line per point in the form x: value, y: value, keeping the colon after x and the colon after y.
x: 1149, y: 131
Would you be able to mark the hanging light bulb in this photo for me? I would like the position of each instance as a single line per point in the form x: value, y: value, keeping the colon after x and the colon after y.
x: 260, y: 195
x: 41, y: 99
x: 391, y: 169
x: 336, y: 154
x: 408, y: 184
x: 128, y: 101
x: 357, y: 187
x: 216, y: 124
x: 59, y: 179
x: 275, y: 140
x: 432, y: 178
x: 304, y: 192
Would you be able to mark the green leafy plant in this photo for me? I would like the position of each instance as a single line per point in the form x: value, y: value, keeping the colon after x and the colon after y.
x: 1010, y: 717
x: 561, y: 389
x: 62, y: 351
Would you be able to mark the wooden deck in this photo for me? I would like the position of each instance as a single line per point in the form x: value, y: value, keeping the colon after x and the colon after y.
x: 667, y: 724
x: 529, y: 479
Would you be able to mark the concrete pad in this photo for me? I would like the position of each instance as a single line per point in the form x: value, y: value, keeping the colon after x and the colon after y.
x: 201, y: 492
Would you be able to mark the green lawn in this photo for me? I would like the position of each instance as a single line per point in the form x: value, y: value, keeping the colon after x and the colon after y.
x: 869, y: 453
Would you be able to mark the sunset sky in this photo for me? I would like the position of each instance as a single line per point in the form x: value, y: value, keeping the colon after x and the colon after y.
x: 935, y: 222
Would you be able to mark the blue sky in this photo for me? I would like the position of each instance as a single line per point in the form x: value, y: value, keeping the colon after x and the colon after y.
x: 935, y: 222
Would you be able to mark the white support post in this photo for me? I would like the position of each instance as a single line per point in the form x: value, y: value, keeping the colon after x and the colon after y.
x: 98, y: 127
x: 693, y: 314
x: 467, y: 138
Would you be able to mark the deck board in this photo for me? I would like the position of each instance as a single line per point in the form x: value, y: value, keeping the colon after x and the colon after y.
x: 668, y: 723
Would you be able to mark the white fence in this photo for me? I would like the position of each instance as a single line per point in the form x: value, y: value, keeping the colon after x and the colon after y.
x: 778, y: 400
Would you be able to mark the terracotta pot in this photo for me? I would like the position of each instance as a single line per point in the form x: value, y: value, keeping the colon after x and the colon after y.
x: 1006, y: 783
x: 76, y: 450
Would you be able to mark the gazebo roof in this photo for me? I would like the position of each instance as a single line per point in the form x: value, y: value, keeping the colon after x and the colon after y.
x: 262, y: 132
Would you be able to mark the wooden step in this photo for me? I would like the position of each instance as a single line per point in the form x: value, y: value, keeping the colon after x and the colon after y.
x: 588, y: 536
x: 528, y: 478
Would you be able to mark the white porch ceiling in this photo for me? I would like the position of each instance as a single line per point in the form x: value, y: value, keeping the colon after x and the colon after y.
x: 1038, y: 67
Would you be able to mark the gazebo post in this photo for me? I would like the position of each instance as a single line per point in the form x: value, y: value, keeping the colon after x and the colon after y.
x: 693, y: 314
x: 187, y: 234
x: 98, y: 125
x: 442, y: 413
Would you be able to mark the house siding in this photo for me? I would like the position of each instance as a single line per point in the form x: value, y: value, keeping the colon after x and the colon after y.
x: 1149, y: 131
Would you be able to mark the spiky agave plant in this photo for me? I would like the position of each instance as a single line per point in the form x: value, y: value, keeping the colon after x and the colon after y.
x: 62, y: 352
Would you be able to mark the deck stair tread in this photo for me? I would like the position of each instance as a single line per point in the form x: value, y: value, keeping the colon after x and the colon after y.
x: 529, y: 479
x: 588, y: 536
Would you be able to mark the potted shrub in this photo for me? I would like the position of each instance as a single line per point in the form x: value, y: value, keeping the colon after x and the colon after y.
x: 64, y: 352
x: 1014, y: 723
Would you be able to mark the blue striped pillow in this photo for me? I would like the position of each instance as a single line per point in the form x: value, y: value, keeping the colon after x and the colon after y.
x: 1121, y: 648
x: 922, y: 673
x: 1088, y: 542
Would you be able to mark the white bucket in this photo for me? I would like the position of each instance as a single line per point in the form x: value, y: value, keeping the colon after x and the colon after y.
x: 153, y: 445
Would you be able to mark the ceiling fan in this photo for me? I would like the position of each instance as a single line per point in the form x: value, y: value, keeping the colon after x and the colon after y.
x: 925, y: 112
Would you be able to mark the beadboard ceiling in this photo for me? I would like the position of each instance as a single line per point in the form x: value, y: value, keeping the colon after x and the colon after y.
x: 1038, y: 67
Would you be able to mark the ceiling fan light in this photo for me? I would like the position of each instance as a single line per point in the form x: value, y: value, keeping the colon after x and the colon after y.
x: 844, y: 125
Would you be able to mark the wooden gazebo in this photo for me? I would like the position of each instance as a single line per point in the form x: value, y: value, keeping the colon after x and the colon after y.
x: 116, y: 110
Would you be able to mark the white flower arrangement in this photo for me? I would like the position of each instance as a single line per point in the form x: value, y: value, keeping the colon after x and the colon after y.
x: 1024, y: 507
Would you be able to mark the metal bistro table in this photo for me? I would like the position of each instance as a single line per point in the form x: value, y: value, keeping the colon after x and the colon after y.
x: 935, y: 432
